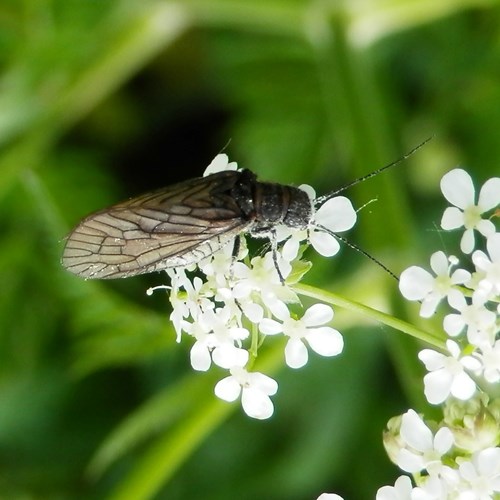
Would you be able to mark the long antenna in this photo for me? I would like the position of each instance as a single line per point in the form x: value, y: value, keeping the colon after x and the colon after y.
x: 360, y: 250
x: 322, y: 199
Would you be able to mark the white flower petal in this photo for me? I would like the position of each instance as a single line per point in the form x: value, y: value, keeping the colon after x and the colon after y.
x: 264, y: 383
x: 458, y: 188
x: 493, y: 246
x: 457, y: 300
x: 453, y: 348
x: 432, y: 360
x: 325, y: 341
x: 237, y: 333
x: 469, y: 473
x: 463, y: 387
x: 452, y: 218
x: 471, y: 364
x: 277, y: 307
x: 409, y: 462
x: 296, y: 355
x: 200, y: 357
x: 429, y: 306
x: 415, y: 283
x: 228, y: 356
x: 400, y: 491
x: 290, y: 249
x: 437, y: 386
x: 329, y: 496
x: 485, y: 227
x: 256, y: 404
x: 414, y: 432
x: 325, y: 244
x: 488, y: 463
x: 481, y: 260
x: 336, y: 214
x: 489, y: 196
x: 439, y: 263
x: 218, y: 164
x: 443, y: 440
x: 309, y: 190
x: 460, y: 276
x: 254, y: 312
x: 467, y: 242
x: 228, y: 389
x: 453, y: 324
x: 317, y: 314
x: 270, y: 326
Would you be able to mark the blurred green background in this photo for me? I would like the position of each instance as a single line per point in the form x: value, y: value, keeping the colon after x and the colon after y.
x: 101, y: 100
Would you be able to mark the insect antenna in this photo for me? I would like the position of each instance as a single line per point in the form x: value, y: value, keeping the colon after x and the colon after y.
x: 326, y: 197
x: 358, y: 249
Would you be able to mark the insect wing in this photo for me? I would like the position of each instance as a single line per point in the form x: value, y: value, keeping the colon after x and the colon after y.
x: 171, y: 227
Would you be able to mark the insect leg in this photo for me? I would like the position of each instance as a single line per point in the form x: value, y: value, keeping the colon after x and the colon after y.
x: 273, y: 238
x: 236, y: 247
x: 234, y: 255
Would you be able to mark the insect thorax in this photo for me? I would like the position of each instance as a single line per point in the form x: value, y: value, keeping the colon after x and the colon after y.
x: 268, y: 204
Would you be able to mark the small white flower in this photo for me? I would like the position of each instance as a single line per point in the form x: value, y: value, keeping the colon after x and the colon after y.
x: 447, y: 374
x: 423, y: 450
x: 180, y: 309
x: 436, y: 486
x: 474, y: 316
x: 458, y: 189
x: 207, y: 348
x: 261, y: 280
x: 200, y: 356
x: 255, y: 389
x: 227, y: 356
x: 335, y: 215
x: 402, y: 490
x: 220, y: 163
x: 418, y: 284
x: 216, y: 335
x: 198, y: 297
x: 481, y: 475
x: 329, y: 496
x: 218, y: 267
x: 294, y: 239
x: 324, y: 340
x: 489, y: 357
x: 490, y: 266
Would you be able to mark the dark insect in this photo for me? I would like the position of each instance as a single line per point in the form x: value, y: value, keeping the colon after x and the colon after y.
x: 181, y: 224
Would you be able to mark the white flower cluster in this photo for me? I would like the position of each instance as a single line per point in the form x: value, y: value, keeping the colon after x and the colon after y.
x: 229, y: 304
x: 473, y: 296
x: 458, y: 458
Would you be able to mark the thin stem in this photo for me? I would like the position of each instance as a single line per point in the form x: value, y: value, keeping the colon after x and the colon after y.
x: 331, y: 298
x: 254, y: 347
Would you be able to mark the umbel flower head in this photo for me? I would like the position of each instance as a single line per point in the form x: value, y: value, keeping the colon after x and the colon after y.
x: 473, y: 297
x: 229, y: 304
x: 459, y: 457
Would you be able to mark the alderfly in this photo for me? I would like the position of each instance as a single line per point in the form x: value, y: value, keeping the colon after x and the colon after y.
x: 182, y: 224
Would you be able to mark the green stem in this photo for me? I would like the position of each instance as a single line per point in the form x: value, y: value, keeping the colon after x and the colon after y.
x: 254, y: 347
x: 432, y: 338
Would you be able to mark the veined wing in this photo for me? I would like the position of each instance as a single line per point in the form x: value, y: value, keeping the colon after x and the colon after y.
x: 171, y: 227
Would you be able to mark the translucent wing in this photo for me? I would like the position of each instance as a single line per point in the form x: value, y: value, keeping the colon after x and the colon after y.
x: 171, y: 227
